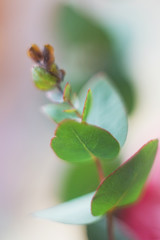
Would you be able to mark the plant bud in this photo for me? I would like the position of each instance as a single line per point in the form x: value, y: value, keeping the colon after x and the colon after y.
x: 35, y: 53
x: 54, y: 69
x: 48, y: 54
x: 43, y: 79
x: 60, y: 73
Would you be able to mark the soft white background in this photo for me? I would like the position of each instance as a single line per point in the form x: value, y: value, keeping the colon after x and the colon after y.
x: 28, y: 167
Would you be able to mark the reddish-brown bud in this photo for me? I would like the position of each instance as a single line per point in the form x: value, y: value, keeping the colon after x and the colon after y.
x: 35, y: 53
x: 48, y: 54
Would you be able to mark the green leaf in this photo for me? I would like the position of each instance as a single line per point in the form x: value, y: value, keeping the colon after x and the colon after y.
x: 76, y: 211
x: 43, y: 80
x: 78, y: 142
x: 72, y: 183
x: 87, y: 105
x: 108, y: 110
x: 125, y: 185
x: 76, y: 28
x: 57, y: 112
x: 67, y: 92
x: 98, y: 230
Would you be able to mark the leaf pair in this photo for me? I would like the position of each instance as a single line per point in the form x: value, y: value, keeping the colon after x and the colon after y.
x: 87, y: 104
x: 121, y: 188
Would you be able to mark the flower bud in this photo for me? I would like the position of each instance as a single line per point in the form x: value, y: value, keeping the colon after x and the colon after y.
x: 54, y: 69
x: 35, y: 53
x: 43, y: 79
x: 60, y: 73
x: 48, y: 54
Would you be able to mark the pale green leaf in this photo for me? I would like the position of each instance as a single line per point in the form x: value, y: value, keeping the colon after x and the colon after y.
x: 108, y: 110
x: 57, y: 112
x: 76, y: 211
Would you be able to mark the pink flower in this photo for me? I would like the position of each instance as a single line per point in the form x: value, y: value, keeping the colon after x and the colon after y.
x: 143, y: 218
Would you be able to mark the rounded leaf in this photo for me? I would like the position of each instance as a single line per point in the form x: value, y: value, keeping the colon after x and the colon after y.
x: 76, y: 142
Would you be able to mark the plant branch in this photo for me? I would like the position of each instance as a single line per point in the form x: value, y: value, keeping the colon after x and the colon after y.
x: 99, y: 168
x: 76, y: 111
x: 70, y: 103
x: 60, y: 88
x: 109, y: 218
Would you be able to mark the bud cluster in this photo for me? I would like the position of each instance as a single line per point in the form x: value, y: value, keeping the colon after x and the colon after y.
x: 46, y: 74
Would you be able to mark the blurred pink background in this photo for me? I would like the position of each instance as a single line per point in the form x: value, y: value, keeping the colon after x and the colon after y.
x: 28, y: 167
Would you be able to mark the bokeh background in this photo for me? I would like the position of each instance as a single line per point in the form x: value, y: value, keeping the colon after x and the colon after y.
x: 29, y: 171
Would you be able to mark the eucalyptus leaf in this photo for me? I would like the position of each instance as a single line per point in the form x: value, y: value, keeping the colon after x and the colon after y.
x: 72, y: 183
x: 76, y: 211
x: 87, y: 105
x: 125, y: 185
x: 76, y: 28
x: 79, y: 142
x: 57, y: 112
x: 67, y: 92
x: 108, y: 110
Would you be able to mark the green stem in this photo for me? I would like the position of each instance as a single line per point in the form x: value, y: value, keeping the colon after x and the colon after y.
x: 70, y: 103
x: 109, y: 217
x: 76, y: 111
x: 99, y: 168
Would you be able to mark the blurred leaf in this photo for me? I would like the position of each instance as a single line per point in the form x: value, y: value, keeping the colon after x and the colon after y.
x: 108, y: 110
x: 76, y: 211
x: 78, y: 142
x: 87, y: 105
x: 55, y: 96
x: 90, y: 48
x: 98, y: 231
x: 77, y: 28
x: 57, y: 112
x: 122, y: 82
x: 125, y: 185
x: 73, y: 180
